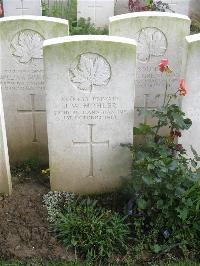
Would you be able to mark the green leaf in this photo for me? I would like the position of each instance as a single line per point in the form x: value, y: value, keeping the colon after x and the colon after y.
x: 188, y: 123
x: 142, y: 204
x: 159, y: 204
x: 148, y: 180
x: 196, y: 156
x: 143, y: 129
x: 183, y: 213
x: 157, y: 248
x: 173, y: 165
x: 150, y: 167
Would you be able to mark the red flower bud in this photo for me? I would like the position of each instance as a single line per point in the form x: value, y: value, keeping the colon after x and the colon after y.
x: 182, y: 88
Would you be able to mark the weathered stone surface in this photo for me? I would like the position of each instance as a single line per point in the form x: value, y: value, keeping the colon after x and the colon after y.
x: 98, y: 10
x: 179, y: 6
x: 121, y: 7
x: 5, y: 177
x: 22, y: 7
x: 190, y: 103
x: 156, y: 40
x: 22, y: 79
x: 90, y: 108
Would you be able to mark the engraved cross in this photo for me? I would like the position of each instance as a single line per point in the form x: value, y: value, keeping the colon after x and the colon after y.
x: 95, y: 6
x: 22, y: 8
x: 33, y: 111
x: 146, y: 107
x: 91, y: 143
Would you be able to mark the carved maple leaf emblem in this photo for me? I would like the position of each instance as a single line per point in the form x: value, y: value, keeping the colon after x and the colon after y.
x: 92, y: 70
x: 27, y: 45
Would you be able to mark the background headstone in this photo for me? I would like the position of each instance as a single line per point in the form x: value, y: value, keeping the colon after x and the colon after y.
x: 22, y: 78
x: 156, y: 40
x: 190, y: 103
x: 179, y: 6
x: 194, y: 11
x: 121, y: 7
x: 90, y: 108
x: 22, y: 7
x: 98, y: 10
x: 5, y: 177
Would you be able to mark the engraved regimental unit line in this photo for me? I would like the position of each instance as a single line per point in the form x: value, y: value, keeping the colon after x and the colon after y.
x: 91, y: 143
x: 33, y: 111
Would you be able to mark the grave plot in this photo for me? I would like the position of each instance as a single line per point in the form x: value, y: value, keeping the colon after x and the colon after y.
x: 90, y: 107
x: 22, y: 79
x: 156, y: 40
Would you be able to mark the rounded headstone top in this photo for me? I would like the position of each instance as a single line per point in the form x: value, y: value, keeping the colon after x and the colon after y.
x: 34, y: 18
x: 148, y: 14
x: 80, y: 38
x: 193, y: 38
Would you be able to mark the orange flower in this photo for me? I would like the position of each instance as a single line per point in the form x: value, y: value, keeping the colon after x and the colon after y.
x: 163, y: 66
x: 182, y: 88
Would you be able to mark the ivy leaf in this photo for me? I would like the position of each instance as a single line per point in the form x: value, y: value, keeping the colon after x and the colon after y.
x: 92, y: 70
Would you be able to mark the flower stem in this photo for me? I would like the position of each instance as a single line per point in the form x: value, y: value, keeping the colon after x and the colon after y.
x: 165, y: 96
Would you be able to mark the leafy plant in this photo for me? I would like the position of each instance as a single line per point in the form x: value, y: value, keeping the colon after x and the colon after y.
x: 85, y: 27
x: 61, y: 9
x: 195, y: 27
x: 54, y: 202
x: 27, y: 166
x: 153, y: 5
x: 158, y: 6
x: 164, y: 188
x: 96, y: 233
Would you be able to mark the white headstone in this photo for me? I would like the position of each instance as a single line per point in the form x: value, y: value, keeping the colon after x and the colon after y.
x: 126, y: 6
x: 22, y: 78
x: 194, y: 11
x: 159, y: 35
x: 121, y: 7
x: 179, y: 6
x: 5, y: 177
x: 190, y: 103
x: 22, y: 7
x: 98, y: 10
x: 90, y: 107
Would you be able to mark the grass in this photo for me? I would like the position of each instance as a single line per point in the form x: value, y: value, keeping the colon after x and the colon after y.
x: 39, y: 263
x: 73, y: 263
x: 181, y: 263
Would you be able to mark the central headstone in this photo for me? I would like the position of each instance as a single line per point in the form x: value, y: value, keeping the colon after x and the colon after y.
x: 156, y: 40
x: 90, y: 107
x: 22, y: 79
x: 22, y: 7
x: 5, y: 177
x: 98, y: 11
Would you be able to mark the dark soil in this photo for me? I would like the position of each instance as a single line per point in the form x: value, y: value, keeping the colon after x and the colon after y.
x: 24, y: 230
